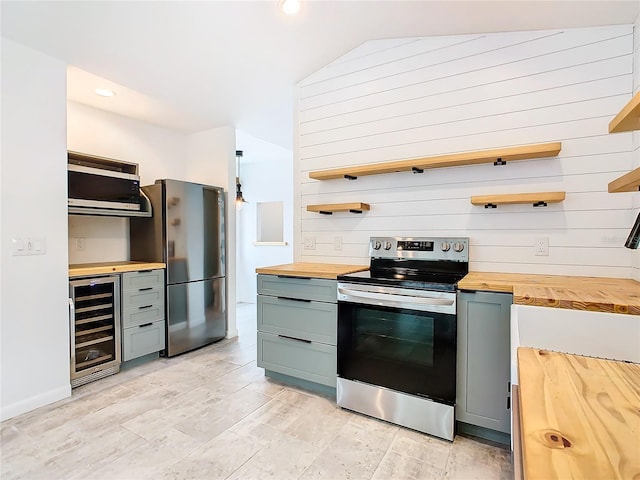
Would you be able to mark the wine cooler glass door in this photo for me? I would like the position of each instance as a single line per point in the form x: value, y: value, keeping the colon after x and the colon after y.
x: 95, y: 325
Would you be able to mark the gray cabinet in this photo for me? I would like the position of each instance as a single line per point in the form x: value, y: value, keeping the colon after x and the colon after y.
x: 483, y: 375
x: 297, y: 327
x: 143, y: 321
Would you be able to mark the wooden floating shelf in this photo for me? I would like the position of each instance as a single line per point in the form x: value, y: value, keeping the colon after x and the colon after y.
x: 629, y: 117
x: 498, y: 156
x: 329, y: 208
x: 538, y: 199
x: 629, y: 182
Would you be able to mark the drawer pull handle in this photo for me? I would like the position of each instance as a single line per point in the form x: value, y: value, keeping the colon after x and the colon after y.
x: 293, y: 276
x: 145, y: 289
x: 295, y: 299
x: 295, y: 339
x: 145, y: 306
x: 146, y: 325
x: 145, y: 271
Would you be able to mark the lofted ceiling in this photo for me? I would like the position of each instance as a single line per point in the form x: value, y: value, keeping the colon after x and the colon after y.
x: 194, y: 65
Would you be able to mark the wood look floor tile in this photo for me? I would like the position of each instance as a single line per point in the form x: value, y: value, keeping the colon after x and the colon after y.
x: 397, y: 466
x: 215, y: 460
x: 427, y: 449
x: 276, y: 461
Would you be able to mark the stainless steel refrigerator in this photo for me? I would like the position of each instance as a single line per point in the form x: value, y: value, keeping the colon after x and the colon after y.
x: 187, y: 232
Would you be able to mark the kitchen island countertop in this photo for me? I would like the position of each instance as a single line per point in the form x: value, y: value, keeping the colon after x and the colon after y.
x: 601, y: 294
x: 312, y: 270
x: 578, y: 416
x: 103, y: 268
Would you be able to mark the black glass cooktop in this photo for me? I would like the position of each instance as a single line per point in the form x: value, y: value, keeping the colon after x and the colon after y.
x: 435, y: 281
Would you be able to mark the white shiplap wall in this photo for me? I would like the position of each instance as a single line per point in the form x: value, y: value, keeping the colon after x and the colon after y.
x: 399, y: 99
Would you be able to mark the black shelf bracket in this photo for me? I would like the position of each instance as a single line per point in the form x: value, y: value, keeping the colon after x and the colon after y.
x: 499, y: 161
x: 350, y: 177
x: 355, y: 211
x: 490, y: 205
x: 417, y: 170
x: 321, y: 212
x: 540, y: 204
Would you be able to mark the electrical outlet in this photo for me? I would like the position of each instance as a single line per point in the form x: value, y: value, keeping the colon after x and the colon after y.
x: 541, y: 246
x: 337, y: 243
x: 309, y: 243
x: 80, y: 244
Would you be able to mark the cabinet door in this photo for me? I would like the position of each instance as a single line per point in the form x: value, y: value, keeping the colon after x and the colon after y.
x: 306, y: 320
x: 318, y: 289
x: 142, y: 279
x: 142, y: 339
x: 315, y: 362
x: 483, y: 375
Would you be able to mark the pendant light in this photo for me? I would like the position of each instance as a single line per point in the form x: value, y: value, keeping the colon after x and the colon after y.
x: 239, y: 198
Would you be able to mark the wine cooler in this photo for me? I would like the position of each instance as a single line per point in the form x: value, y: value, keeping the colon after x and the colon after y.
x: 95, y: 328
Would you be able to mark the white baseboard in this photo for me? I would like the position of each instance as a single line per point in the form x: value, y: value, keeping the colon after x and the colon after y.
x: 232, y: 333
x: 31, y: 403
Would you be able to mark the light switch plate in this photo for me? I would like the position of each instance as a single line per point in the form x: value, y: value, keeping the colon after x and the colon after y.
x: 28, y: 246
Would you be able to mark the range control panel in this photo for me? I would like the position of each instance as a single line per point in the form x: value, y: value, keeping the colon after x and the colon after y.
x: 420, y: 248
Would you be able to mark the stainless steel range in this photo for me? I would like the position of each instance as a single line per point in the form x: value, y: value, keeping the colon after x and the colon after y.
x: 397, y: 332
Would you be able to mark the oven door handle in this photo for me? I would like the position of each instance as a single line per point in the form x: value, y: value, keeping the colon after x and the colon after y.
x: 396, y: 299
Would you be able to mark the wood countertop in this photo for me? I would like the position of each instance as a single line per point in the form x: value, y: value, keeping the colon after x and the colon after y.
x: 579, y: 416
x: 86, y: 269
x: 313, y: 270
x: 600, y: 294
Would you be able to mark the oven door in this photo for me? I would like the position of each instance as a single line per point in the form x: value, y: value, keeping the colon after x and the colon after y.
x: 392, y: 340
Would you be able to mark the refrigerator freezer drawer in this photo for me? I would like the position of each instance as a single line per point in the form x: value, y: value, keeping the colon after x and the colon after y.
x: 196, y: 314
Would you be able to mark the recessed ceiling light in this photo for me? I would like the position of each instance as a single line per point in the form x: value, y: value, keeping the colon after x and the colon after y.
x: 103, y: 92
x: 290, y: 7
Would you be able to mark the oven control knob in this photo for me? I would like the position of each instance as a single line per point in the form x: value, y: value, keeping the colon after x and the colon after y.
x: 387, y: 245
x: 376, y: 245
x: 445, y: 246
x: 458, y: 246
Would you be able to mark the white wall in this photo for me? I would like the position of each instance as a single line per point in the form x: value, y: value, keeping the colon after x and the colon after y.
x: 210, y: 160
x: 266, y: 175
x: 410, y: 98
x: 34, y: 321
x: 160, y: 153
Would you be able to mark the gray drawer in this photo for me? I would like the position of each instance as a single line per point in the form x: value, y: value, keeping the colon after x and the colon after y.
x: 315, y: 321
x: 320, y: 289
x: 315, y: 362
x: 132, y: 299
x: 144, y: 314
x: 143, y: 279
x: 142, y: 340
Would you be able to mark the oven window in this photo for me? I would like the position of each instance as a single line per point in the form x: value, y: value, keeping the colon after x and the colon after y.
x: 401, y: 337
x: 405, y: 350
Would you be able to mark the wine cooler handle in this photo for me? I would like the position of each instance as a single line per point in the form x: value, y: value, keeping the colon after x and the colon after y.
x: 72, y: 326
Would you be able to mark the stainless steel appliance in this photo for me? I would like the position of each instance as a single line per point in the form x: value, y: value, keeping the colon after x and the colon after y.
x: 397, y: 333
x: 97, y: 184
x: 187, y: 232
x: 95, y: 328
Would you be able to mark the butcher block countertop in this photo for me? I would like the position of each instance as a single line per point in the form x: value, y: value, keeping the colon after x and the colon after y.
x: 86, y: 269
x: 600, y: 294
x: 313, y: 270
x: 579, y: 416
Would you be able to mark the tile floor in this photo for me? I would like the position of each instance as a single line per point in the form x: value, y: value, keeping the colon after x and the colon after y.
x: 212, y: 414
